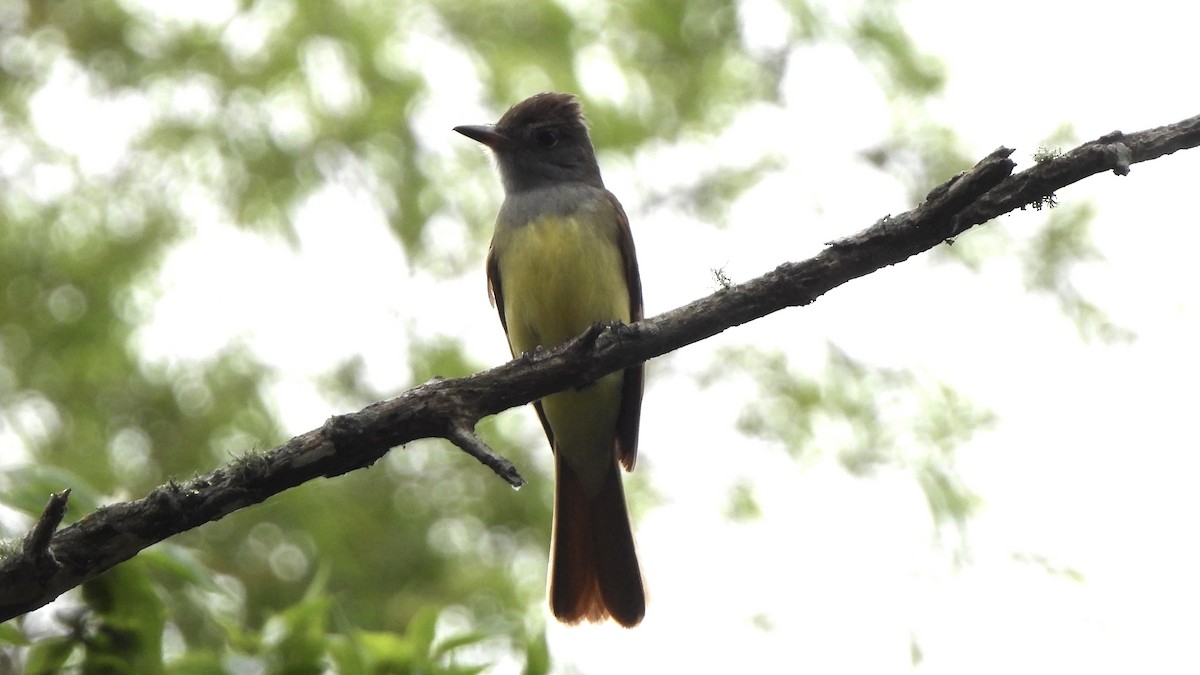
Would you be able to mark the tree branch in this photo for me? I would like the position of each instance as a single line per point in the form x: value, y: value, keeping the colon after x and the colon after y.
x: 49, y: 566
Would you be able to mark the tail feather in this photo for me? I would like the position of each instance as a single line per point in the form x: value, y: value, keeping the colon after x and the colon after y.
x: 594, y: 571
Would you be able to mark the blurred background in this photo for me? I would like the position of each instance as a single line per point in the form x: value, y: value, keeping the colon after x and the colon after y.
x: 223, y: 222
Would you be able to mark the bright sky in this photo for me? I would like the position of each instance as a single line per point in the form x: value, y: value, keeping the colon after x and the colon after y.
x: 1092, y: 464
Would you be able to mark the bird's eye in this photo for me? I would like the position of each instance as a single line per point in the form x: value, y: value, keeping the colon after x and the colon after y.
x: 547, y: 138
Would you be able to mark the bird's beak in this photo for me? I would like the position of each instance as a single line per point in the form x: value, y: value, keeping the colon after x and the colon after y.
x: 486, y: 134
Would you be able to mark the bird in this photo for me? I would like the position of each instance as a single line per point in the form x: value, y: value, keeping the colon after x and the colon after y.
x: 561, y: 260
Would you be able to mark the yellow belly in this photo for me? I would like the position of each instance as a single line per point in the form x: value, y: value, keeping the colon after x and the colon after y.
x: 558, y: 277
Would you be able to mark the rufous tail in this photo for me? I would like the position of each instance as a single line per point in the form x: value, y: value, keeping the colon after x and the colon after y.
x: 594, y: 571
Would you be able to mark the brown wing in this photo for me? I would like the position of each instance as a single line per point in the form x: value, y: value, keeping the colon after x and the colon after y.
x: 629, y: 418
x: 496, y: 293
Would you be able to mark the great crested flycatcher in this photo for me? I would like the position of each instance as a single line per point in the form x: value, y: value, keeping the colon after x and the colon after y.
x: 561, y: 260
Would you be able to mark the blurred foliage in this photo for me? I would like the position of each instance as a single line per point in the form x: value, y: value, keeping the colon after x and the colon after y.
x: 120, y: 629
x: 742, y: 505
x: 712, y: 191
x: 904, y: 71
x: 1049, y: 258
x: 868, y: 417
x: 920, y: 153
x: 126, y: 125
x: 916, y: 655
x: 1046, y: 565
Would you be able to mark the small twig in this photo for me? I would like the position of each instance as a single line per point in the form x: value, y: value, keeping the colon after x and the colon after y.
x: 468, y: 442
x: 36, y: 548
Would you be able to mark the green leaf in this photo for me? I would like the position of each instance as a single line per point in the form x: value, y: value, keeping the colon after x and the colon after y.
x: 386, y: 651
x: 178, y: 564
x: 196, y: 662
x: 537, y: 655
x: 27, y: 488
x: 742, y: 506
x: 10, y: 634
x: 421, y: 631
x: 129, y: 619
x: 300, y: 641
x: 49, y: 656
